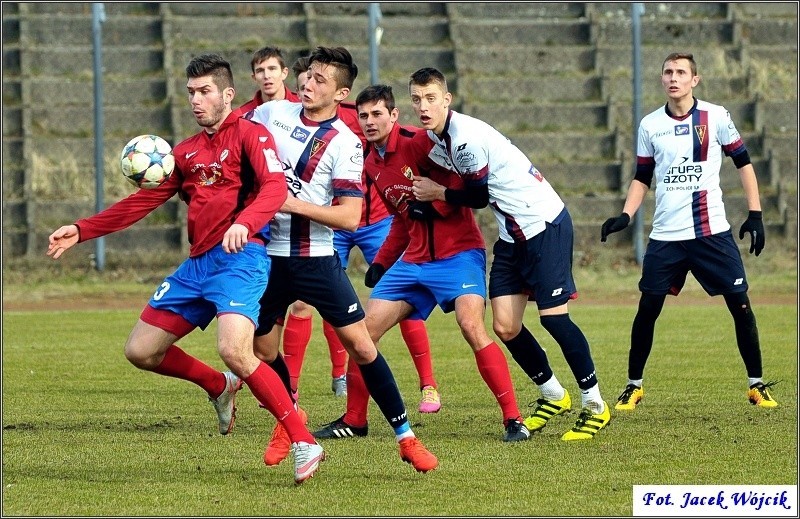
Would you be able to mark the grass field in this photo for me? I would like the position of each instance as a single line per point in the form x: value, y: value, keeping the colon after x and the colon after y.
x: 85, y: 433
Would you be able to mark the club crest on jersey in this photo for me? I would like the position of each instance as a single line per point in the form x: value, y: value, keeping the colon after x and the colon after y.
x: 407, y: 172
x: 300, y: 134
x: 316, y: 145
x: 682, y: 129
x: 700, y: 130
x: 223, y: 155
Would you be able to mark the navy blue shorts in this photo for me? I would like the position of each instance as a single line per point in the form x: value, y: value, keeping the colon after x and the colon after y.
x: 714, y: 261
x: 318, y: 281
x: 540, y: 267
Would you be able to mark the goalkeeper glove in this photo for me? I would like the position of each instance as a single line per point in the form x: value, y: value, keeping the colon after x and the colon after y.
x: 755, y: 227
x: 615, y: 224
x: 374, y: 274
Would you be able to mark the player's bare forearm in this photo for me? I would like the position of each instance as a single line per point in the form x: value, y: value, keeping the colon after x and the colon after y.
x: 346, y: 215
x: 750, y: 186
x: 635, y: 197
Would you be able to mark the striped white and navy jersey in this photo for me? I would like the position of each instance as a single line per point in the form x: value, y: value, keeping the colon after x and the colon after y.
x: 686, y: 153
x: 321, y: 161
x: 520, y: 197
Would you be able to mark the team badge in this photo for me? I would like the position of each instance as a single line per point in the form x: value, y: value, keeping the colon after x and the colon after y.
x: 316, y: 145
x: 407, y: 172
x: 700, y: 130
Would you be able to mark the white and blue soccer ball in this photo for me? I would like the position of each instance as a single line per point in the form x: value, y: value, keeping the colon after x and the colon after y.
x: 147, y: 161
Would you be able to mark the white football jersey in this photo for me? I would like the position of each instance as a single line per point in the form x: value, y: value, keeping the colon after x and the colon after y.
x: 321, y: 161
x: 520, y: 197
x: 687, y: 153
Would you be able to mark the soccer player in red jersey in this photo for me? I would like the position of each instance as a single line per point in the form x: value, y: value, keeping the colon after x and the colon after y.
x: 269, y: 71
x: 681, y: 145
x: 434, y: 255
x: 232, y: 181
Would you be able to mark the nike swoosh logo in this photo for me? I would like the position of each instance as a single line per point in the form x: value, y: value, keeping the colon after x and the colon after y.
x: 464, y: 285
x: 232, y: 303
x: 190, y: 155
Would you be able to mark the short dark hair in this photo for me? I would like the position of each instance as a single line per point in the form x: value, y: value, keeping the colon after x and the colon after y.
x: 265, y: 53
x: 212, y: 65
x: 682, y: 55
x: 300, y: 65
x: 375, y: 93
x: 342, y: 61
x: 426, y: 76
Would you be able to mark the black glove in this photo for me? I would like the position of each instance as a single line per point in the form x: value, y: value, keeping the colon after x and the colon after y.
x: 421, y: 210
x: 615, y: 224
x: 374, y: 274
x: 755, y: 227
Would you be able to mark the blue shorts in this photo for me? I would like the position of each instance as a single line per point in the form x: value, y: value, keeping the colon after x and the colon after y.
x: 319, y: 281
x: 424, y: 285
x: 368, y: 238
x: 215, y: 283
x: 714, y: 261
x: 540, y: 267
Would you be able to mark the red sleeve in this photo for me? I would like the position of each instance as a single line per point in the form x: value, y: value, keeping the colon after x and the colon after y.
x: 259, y: 145
x: 127, y: 211
x: 395, y: 244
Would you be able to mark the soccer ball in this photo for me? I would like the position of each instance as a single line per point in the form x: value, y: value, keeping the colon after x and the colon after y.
x: 147, y: 161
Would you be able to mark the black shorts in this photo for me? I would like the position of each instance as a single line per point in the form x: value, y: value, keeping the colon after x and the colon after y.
x: 540, y: 267
x: 318, y: 281
x: 714, y: 261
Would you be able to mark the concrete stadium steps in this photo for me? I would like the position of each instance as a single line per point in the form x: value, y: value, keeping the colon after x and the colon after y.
x: 217, y: 32
x: 76, y: 30
x: 566, y: 87
x: 499, y: 31
x: 518, y: 117
x: 236, y: 9
x: 697, y: 11
x: 85, y: 8
x: 567, y: 146
x: 518, y: 10
x: 132, y: 61
x: 77, y: 121
x: 712, y: 61
x: 714, y: 89
x: 133, y: 91
x: 490, y: 60
x: 681, y: 33
x: 582, y: 175
x: 783, y: 147
x: 768, y: 31
x: 388, y: 9
x: 350, y: 30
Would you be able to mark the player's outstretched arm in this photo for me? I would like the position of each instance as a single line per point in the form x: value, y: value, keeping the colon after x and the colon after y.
x: 62, y: 239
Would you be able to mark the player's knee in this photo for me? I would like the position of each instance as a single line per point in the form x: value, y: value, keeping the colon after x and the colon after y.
x: 506, y: 330
x: 141, y: 356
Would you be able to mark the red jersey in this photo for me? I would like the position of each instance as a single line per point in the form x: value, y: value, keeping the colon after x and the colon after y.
x: 373, y: 210
x: 406, y: 155
x: 290, y: 96
x: 232, y: 176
